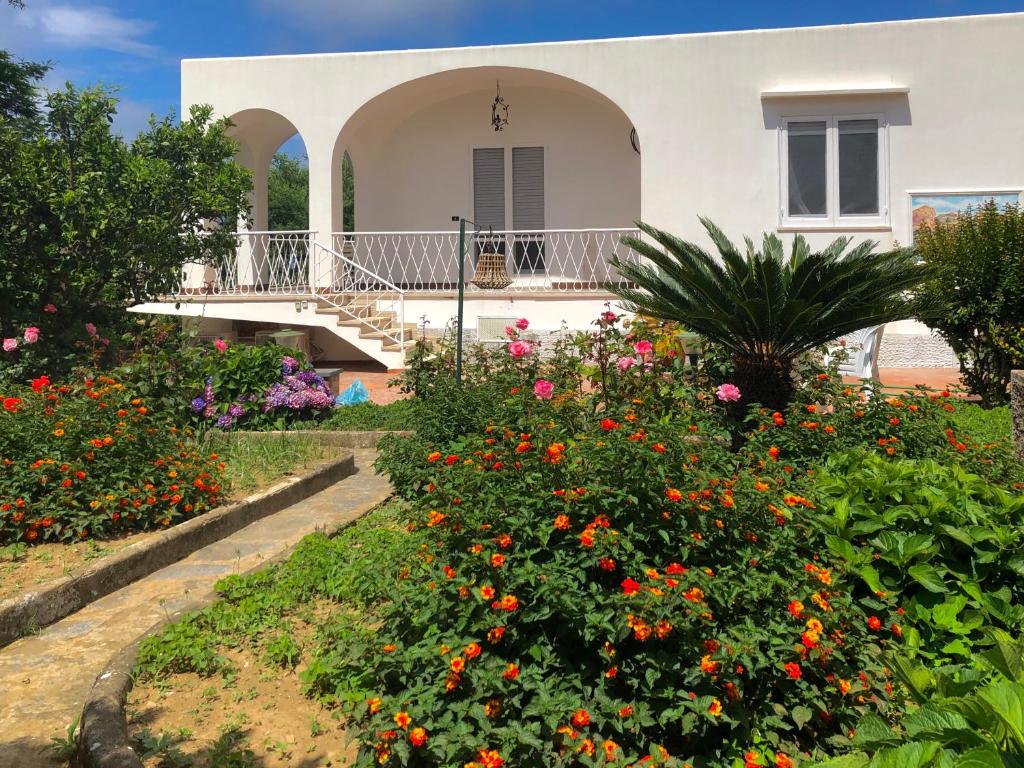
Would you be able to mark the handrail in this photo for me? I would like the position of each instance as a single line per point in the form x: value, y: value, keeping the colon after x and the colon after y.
x: 245, y: 232
x: 377, y: 278
x: 488, y: 233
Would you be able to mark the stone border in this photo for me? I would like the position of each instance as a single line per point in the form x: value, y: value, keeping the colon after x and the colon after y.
x: 103, y: 740
x: 68, y: 594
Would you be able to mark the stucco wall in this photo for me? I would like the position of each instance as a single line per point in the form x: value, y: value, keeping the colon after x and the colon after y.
x: 413, y: 171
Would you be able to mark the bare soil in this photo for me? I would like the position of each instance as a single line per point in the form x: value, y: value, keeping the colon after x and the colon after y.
x: 256, y: 707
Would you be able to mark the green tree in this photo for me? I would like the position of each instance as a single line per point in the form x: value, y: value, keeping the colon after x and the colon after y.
x: 287, y: 194
x: 19, y: 94
x: 348, y: 192
x: 977, y: 274
x: 763, y: 308
x: 91, y: 224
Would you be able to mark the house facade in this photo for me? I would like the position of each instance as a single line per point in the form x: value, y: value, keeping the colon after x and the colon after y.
x: 826, y: 131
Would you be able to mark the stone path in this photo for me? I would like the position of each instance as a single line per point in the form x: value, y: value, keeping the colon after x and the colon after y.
x: 44, y: 678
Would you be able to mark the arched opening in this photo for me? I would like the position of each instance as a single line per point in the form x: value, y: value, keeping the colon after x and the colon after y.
x: 564, y: 166
x: 274, y: 245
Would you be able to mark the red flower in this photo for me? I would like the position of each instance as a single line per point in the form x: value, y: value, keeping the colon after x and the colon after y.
x: 673, y: 494
x: 675, y: 569
x: 794, y: 671
x: 472, y: 650
x: 608, y: 425
x: 581, y: 718
x: 630, y: 586
x: 434, y: 456
x: 11, y: 404
x: 38, y: 384
x: 874, y: 623
x: 451, y: 459
x: 773, y: 452
x: 511, y: 672
x: 418, y: 737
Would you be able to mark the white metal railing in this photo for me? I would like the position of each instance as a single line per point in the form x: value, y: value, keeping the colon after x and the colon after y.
x: 263, y: 263
x: 350, y: 287
x: 563, y: 260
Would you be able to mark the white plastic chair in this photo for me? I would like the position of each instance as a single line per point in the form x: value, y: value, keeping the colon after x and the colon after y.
x: 861, y: 353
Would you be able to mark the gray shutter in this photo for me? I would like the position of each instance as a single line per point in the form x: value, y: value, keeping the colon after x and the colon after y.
x: 528, y: 188
x: 489, y: 187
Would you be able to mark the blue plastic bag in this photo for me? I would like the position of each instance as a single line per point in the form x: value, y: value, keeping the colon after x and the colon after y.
x: 354, y: 395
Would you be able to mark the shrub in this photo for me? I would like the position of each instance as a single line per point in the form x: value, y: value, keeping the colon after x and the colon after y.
x: 609, y: 595
x: 976, y: 268
x: 969, y: 715
x: 262, y: 387
x: 943, y: 546
x: 765, y: 308
x: 91, y: 459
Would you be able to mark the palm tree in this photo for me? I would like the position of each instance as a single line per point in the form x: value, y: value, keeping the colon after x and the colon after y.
x: 765, y: 309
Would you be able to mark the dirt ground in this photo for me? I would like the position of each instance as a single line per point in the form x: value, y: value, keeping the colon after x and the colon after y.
x: 256, y: 707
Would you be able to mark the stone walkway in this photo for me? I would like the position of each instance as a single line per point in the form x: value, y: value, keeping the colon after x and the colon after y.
x: 44, y: 678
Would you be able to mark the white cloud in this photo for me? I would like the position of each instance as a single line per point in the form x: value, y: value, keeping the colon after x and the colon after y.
x: 341, y: 16
x: 62, y: 25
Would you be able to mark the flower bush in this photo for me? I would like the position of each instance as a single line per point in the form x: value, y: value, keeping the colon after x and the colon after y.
x: 90, y: 459
x: 263, y: 387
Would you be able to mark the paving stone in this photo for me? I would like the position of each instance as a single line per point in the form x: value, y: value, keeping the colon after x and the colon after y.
x: 45, y: 677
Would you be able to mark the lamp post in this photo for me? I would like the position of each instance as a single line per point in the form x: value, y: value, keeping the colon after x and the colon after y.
x: 462, y: 296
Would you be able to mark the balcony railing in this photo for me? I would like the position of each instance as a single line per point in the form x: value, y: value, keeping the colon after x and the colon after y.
x: 286, y: 263
x: 560, y: 260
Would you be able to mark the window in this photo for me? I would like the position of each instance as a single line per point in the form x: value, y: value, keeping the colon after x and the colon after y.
x: 833, y: 171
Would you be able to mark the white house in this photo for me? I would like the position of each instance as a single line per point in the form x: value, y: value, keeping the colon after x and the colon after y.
x: 825, y: 131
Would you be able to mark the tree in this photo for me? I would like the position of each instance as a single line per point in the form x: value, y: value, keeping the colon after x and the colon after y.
x: 90, y: 224
x: 19, y: 94
x: 977, y: 274
x: 765, y: 309
x: 287, y: 194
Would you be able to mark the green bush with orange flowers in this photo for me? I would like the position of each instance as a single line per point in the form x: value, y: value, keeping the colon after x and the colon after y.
x: 608, y: 596
x: 90, y: 459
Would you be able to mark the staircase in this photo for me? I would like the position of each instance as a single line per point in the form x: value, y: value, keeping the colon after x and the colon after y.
x: 361, y: 322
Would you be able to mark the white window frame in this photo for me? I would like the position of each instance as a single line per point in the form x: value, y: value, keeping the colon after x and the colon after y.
x: 831, y: 220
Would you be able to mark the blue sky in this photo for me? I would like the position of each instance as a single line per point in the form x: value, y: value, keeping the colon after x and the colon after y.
x: 137, y: 46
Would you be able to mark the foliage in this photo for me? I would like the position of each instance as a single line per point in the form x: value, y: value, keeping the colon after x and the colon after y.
x: 252, y: 459
x: 19, y: 107
x: 976, y: 272
x: 968, y: 715
x: 93, y: 224
x: 625, y: 573
x: 985, y: 425
x: 399, y: 415
x: 256, y: 387
x: 763, y: 308
x: 287, y: 194
x: 827, y: 416
x: 943, y: 546
x: 90, y: 459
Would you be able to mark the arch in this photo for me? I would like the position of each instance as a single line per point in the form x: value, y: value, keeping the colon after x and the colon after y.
x: 377, y: 120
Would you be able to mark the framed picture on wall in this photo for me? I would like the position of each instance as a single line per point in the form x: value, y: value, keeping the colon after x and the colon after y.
x: 927, y: 208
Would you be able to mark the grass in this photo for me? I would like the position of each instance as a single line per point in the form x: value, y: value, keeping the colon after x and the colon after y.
x: 984, y: 425
x: 399, y: 415
x: 255, y: 460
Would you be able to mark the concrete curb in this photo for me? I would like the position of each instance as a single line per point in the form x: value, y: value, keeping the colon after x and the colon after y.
x: 66, y: 595
x: 103, y: 740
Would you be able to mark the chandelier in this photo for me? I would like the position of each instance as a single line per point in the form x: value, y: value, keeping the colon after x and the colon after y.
x: 499, y: 111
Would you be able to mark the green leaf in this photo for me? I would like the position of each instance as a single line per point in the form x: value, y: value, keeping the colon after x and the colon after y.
x: 870, y: 575
x: 873, y: 731
x: 840, y: 547
x: 1006, y: 655
x: 932, y: 724
x: 928, y: 577
x: 1006, y: 701
x: 801, y: 716
x: 913, y: 755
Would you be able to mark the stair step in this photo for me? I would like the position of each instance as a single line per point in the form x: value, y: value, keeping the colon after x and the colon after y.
x: 396, y: 347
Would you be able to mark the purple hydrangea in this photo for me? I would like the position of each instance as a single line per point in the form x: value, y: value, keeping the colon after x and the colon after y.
x: 236, y: 410
x: 288, y: 365
x: 224, y: 422
x: 198, y: 404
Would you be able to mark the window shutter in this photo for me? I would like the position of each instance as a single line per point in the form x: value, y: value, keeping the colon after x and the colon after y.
x: 489, y: 187
x: 528, y: 188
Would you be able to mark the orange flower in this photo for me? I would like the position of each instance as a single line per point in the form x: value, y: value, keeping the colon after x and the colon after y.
x: 472, y: 650
x: 458, y: 665
x: 581, y: 718
x: 418, y: 737
x: 562, y: 522
x: 626, y: 711
x: 782, y: 760
x: 708, y: 666
x: 716, y: 708
x: 509, y: 603
x: 511, y: 672
x: 487, y: 592
x: 497, y: 560
x: 403, y: 719
x: 674, y: 495
x: 434, y: 456
x: 373, y: 705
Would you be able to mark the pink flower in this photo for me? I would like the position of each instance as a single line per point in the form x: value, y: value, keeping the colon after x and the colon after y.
x: 609, y: 317
x: 522, y: 323
x: 10, y: 345
x: 625, y: 363
x: 510, y: 331
x: 543, y: 389
x: 90, y: 329
x: 728, y: 393
x: 31, y: 335
x: 643, y: 347
x: 50, y: 308
x: 520, y: 348
x: 221, y: 345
